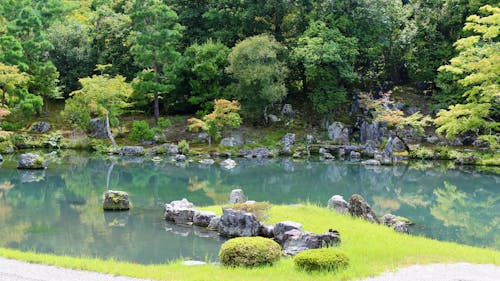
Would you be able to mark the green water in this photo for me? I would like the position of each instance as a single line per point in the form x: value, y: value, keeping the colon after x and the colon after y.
x: 59, y: 210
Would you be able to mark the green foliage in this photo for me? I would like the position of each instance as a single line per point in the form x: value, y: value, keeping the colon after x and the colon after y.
x: 164, y: 122
x: 421, y: 152
x: 328, y: 59
x: 183, y: 147
x: 8, y: 126
x: 327, y: 259
x: 258, y: 67
x: 258, y: 209
x: 249, y: 252
x: 141, y: 131
x: 477, y: 68
x: 54, y: 140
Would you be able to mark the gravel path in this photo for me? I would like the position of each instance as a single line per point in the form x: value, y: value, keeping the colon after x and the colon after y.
x: 443, y: 272
x: 12, y: 270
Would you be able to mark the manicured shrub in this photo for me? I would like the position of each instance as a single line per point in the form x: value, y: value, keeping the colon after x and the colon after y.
x: 327, y: 259
x: 249, y: 252
x: 141, y: 131
x: 183, y: 147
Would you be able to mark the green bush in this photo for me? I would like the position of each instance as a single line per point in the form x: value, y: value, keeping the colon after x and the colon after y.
x: 183, y: 147
x: 141, y: 131
x: 164, y: 122
x: 422, y: 153
x: 327, y: 259
x: 54, y: 140
x: 249, y: 252
x: 8, y: 126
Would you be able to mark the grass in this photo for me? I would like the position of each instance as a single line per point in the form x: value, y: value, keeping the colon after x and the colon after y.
x: 372, y: 249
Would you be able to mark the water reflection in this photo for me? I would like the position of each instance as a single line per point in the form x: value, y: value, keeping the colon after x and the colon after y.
x: 59, y: 210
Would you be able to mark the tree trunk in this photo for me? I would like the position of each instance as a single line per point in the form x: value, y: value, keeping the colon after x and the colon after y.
x: 108, y: 130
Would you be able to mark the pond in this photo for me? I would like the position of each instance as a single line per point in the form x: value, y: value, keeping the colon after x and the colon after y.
x: 58, y: 210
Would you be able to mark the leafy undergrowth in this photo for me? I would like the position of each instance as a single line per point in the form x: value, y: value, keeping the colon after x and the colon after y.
x: 372, y: 249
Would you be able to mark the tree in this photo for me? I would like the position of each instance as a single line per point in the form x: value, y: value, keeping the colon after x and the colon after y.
x: 477, y: 65
x: 156, y: 33
x: 328, y: 60
x: 225, y: 115
x: 101, y: 96
x: 204, y: 65
x: 257, y: 65
x: 11, y: 80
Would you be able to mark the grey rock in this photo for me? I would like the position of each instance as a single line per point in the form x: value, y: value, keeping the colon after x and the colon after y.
x: 260, y: 152
x: 358, y: 207
x: 338, y: 203
x: 310, y: 139
x: 31, y: 161
x: 401, y: 227
x: 238, y: 223
x: 288, y: 141
x: 232, y: 141
x: 96, y: 128
x: 180, y: 158
x: 371, y: 162
x: 388, y: 219
x: 395, y: 145
x: 214, y: 224
x: 355, y: 156
x: 479, y: 143
x: 287, y: 111
x: 193, y: 263
x: 371, y: 131
x: 228, y: 164
x: 40, y: 127
x: 281, y: 227
x: 203, y: 218
x: 203, y: 136
x: 116, y: 200
x: 338, y: 133
x: 237, y: 196
x: 266, y: 230
x: 172, y: 149
x: 296, y: 241
x: 370, y: 148
x: 432, y: 139
x: 207, y: 161
x: 273, y: 118
x: 180, y: 211
x: 411, y: 110
x: 327, y: 156
x: 131, y: 150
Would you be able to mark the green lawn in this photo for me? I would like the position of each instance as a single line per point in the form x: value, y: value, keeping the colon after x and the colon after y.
x: 371, y: 248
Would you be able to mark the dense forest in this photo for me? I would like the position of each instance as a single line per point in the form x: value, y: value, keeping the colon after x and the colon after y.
x: 109, y: 57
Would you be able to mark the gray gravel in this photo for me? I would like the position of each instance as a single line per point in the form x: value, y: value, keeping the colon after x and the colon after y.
x: 443, y: 272
x: 12, y: 270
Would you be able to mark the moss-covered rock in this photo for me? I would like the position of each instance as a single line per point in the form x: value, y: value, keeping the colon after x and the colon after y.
x: 31, y: 161
x: 249, y: 252
x: 116, y: 200
x: 327, y: 259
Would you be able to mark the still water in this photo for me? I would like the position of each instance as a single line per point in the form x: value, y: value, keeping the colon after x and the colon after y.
x: 59, y: 210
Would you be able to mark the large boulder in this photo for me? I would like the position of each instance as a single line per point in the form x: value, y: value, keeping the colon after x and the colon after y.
x: 338, y: 133
x: 214, y: 224
x: 288, y: 141
x: 180, y: 211
x: 297, y: 241
x: 371, y: 131
x: 479, y: 143
x: 287, y: 111
x: 131, y: 150
x: 235, y: 223
x: 266, y: 230
x: 281, y: 227
x: 232, y: 141
x: 115, y: 200
x: 358, y: 207
x: 395, y: 145
x: 203, y: 218
x: 338, y: 203
x: 237, y: 196
x: 96, y: 128
x: 31, y: 161
x: 40, y: 127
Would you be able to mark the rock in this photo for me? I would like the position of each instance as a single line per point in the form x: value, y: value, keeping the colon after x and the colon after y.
x: 260, y: 152
x: 288, y: 141
x: 203, y: 218
x: 370, y: 148
x: 287, y: 111
x: 355, y: 156
x: 284, y: 226
x: 131, y: 150
x: 193, y: 263
x: 411, y: 110
x: 238, y: 223
x: 31, y: 161
x: 232, y: 141
x: 40, y: 127
x: 180, y: 158
x: 228, y: 164
x: 116, y: 200
x: 338, y: 133
x: 479, y: 143
x: 401, y: 227
x: 273, y: 118
x: 180, y: 211
x: 214, y: 224
x: 309, y: 139
x: 432, y: 139
x: 203, y: 136
x: 371, y: 131
x: 394, y: 145
x: 358, y: 207
x: 388, y: 219
x: 327, y: 156
x: 171, y: 149
x: 207, y: 161
x: 371, y: 162
x: 237, y: 196
x: 96, y: 128
x: 266, y: 230
x: 297, y: 241
x: 338, y: 203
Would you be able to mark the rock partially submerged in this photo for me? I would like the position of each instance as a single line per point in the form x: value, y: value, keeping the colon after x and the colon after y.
x: 31, y: 161
x: 115, y: 200
x: 179, y: 211
x: 203, y: 218
x: 131, y: 150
